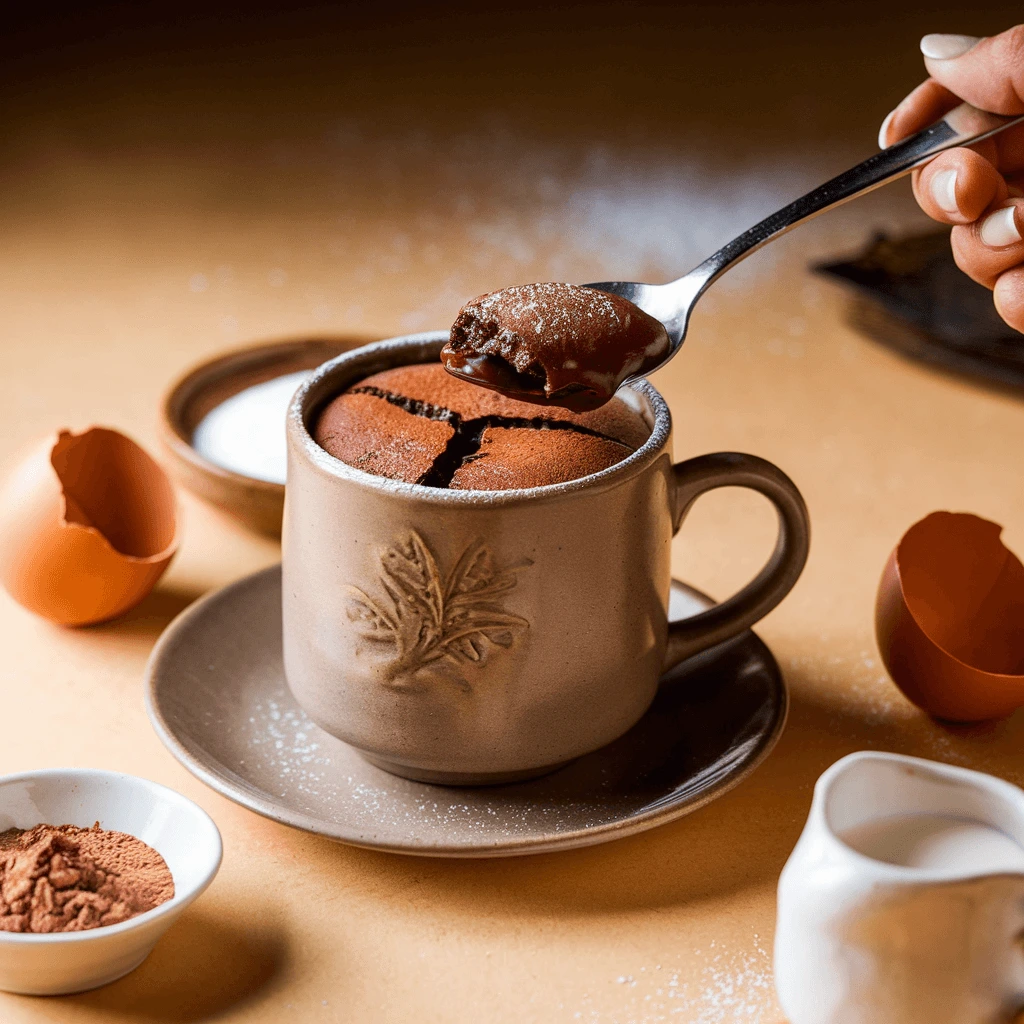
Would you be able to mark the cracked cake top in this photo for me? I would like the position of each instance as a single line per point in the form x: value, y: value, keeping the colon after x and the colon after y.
x: 419, y: 424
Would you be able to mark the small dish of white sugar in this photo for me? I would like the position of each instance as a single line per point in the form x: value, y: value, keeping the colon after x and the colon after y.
x: 245, y: 433
x: 224, y: 425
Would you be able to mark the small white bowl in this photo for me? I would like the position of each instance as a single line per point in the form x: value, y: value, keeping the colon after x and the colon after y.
x: 181, y: 832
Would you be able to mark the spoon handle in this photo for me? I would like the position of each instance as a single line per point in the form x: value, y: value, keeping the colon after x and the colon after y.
x: 961, y: 126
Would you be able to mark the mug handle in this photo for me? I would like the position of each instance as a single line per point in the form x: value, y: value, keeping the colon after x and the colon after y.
x: 739, y: 612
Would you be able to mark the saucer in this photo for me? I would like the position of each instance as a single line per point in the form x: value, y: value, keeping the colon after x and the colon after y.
x: 218, y: 699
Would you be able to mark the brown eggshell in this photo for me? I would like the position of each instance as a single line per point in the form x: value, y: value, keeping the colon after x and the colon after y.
x: 88, y: 524
x: 950, y: 618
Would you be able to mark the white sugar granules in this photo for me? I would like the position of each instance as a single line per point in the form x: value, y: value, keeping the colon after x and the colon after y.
x: 721, y: 987
x: 245, y: 433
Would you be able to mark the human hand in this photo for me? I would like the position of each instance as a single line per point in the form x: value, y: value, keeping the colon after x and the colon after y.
x: 980, y: 189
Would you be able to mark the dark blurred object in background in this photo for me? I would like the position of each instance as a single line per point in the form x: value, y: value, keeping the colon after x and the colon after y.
x: 914, y: 298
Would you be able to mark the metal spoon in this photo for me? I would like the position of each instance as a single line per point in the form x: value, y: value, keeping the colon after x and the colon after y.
x: 672, y: 303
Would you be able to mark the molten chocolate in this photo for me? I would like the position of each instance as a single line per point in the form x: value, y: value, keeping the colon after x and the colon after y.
x: 418, y: 424
x: 553, y: 344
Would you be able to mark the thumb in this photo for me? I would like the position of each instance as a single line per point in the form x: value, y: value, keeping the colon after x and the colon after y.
x: 986, y: 72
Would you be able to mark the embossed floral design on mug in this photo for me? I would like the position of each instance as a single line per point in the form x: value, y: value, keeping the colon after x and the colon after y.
x: 903, y: 901
x: 469, y: 637
x: 432, y: 617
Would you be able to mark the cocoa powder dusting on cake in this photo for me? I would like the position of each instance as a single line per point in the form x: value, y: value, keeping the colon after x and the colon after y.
x: 419, y: 424
x: 62, y: 878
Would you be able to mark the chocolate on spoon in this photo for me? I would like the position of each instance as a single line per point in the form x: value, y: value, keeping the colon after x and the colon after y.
x: 554, y: 344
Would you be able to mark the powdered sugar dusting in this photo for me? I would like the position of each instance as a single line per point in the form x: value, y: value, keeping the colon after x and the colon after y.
x: 286, y: 745
x: 550, y: 325
x: 727, y: 986
x: 556, y: 310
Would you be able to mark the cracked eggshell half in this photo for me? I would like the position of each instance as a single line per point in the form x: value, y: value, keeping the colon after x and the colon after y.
x: 88, y: 524
x: 950, y: 618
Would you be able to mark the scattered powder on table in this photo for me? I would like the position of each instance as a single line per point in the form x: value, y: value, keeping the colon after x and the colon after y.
x: 246, y: 434
x: 61, y: 878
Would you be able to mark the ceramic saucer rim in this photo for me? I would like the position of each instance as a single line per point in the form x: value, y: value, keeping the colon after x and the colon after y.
x: 241, y: 792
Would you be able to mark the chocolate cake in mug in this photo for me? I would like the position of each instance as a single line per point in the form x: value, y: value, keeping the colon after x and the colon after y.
x: 421, y: 425
x: 475, y: 590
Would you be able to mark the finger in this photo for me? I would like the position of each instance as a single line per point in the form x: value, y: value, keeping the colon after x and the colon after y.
x: 927, y: 103
x: 986, y: 72
x: 1010, y: 150
x: 958, y: 186
x: 991, y: 245
x: 1009, y: 297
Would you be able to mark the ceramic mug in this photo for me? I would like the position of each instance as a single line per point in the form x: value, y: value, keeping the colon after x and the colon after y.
x: 468, y: 637
x: 861, y: 940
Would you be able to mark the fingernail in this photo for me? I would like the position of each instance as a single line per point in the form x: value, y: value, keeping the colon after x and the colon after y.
x: 999, y: 229
x: 942, y: 46
x: 883, y: 132
x: 944, y: 191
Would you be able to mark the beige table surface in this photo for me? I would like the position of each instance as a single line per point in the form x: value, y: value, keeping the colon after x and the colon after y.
x: 158, y: 207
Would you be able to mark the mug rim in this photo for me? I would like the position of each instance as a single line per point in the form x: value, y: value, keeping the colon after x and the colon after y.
x: 320, y: 386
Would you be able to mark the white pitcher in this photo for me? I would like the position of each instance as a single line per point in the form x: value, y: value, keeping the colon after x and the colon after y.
x: 864, y: 940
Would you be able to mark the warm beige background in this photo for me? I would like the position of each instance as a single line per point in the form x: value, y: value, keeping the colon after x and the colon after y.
x: 168, y: 195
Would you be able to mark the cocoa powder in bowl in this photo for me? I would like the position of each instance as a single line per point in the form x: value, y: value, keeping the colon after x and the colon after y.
x: 62, y: 878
